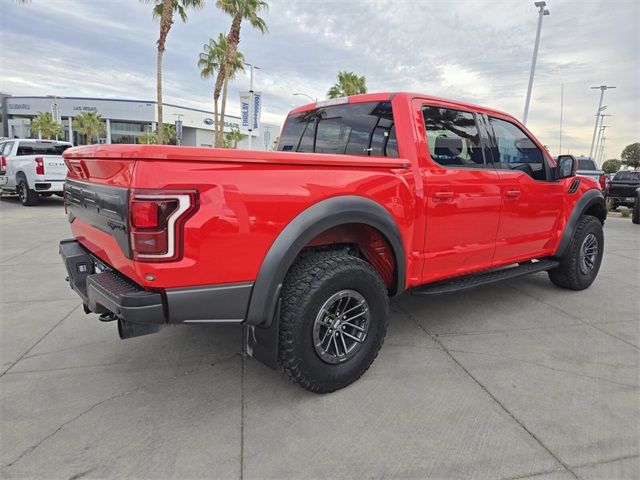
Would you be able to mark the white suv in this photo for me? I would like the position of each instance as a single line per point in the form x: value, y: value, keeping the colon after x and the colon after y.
x: 32, y: 168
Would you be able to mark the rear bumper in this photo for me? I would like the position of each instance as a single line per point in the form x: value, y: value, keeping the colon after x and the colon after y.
x: 110, y: 291
x: 52, y: 186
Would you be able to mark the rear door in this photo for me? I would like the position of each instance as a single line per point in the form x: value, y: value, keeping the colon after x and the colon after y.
x: 462, y: 194
x: 531, y: 197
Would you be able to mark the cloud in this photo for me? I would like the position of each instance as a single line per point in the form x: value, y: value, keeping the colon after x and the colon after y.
x: 463, y: 49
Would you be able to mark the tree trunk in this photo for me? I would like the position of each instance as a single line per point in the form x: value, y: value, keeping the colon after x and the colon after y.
x: 166, y: 20
x: 223, y: 107
x: 215, y: 125
x: 232, y: 48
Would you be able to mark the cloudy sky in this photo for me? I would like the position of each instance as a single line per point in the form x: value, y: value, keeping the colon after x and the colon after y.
x: 472, y: 50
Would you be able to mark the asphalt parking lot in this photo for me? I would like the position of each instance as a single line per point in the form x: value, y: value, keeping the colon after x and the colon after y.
x: 512, y: 380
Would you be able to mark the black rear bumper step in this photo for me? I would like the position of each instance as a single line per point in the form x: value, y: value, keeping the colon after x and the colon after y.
x: 484, y: 278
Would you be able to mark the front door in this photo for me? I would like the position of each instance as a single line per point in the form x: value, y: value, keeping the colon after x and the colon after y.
x: 463, y: 196
x: 531, y: 197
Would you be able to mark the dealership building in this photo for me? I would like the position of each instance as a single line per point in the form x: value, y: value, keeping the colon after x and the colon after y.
x: 125, y: 120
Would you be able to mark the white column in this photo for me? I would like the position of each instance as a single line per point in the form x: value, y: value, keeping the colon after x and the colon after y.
x: 70, y: 129
x: 108, y: 131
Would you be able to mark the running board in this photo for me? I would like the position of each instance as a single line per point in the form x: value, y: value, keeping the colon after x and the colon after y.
x: 476, y: 280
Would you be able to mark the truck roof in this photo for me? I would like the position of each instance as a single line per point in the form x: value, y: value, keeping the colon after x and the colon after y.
x: 387, y: 96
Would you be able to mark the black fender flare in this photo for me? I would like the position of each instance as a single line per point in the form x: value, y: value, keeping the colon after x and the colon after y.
x: 304, y: 228
x: 262, y: 319
x: 590, y: 198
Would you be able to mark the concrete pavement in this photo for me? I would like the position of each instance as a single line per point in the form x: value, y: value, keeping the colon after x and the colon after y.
x: 512, y: 380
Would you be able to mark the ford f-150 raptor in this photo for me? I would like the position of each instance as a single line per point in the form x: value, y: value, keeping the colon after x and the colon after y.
x: 366, y: 197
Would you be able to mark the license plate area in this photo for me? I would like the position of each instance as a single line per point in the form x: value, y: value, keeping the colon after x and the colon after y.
x: 98, y: 266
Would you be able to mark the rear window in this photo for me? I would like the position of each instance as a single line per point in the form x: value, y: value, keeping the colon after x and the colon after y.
x: 352, y: 129
x: 586, y: 164
x: 41, y: 148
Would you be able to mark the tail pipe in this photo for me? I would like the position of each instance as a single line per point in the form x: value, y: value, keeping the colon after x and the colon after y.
x: 130, y: 329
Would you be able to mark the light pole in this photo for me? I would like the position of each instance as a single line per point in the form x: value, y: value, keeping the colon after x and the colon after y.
x: 542, y: 11
x: 314, y: 100
x: 595, y: 128
x: 600, y: 132
x: 602, y: 149
x: 251, y: 98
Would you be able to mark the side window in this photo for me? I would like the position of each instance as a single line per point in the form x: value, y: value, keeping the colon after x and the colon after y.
x: 516, y: 151
x: 6, y: 149
x: 453, y: 137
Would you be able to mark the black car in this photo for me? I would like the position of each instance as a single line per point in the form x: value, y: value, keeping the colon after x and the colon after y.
x: 622, y: 188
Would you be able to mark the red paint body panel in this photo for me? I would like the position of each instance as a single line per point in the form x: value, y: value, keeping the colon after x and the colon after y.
x: 452, y: 221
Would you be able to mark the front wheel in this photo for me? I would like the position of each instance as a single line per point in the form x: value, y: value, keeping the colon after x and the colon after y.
x: 333, y: 320
x: 580, y: 264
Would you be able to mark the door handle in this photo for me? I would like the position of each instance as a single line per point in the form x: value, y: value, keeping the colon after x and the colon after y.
x: 443, y: 195
x: 512, y: 193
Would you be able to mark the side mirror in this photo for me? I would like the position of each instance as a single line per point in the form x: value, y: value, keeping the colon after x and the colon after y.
x: 566, y: 166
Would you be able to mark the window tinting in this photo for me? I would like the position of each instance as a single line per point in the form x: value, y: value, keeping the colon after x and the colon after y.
x: 41, y: 149
x: 623, y: 176
x: 353, y: 129
x: 453, y: 137
x: 586, y: 164
x: 516, y: 151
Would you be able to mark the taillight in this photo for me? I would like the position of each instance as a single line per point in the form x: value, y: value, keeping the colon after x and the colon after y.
x: 603, y: 181
x: 39, y: 166
x: 3, y: 165
x: 157, y: 218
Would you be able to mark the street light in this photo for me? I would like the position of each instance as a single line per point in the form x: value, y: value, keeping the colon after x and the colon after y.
x: 542, y: 11
x: 595, y: 128
x: 251, y: 94
x: 308, y: 96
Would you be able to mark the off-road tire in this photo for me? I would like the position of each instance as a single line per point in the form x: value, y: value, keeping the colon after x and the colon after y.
x: 635, y: 218
x: 311, y: 281
x: 28, y: 197
x: 569, y: 274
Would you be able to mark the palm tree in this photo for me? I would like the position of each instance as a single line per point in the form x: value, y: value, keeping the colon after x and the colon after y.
x: 348, y: 84
x: 210, y: 62
x: 164, y: 10
x: 238, y: 10
x: 89, y: 124
x: 233, y: 137
x: 45, y: 126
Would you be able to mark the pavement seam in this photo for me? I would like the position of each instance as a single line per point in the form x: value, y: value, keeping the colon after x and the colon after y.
x: 492, y: 396
x: 40, y: 339
x: 583, y: 465
x: 102, y: 402
x: 584, y: 322
x: 244, y: 363
x: 541, y: 365
x: 11, y: 257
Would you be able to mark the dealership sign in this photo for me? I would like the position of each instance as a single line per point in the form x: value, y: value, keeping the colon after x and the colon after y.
x: 250, y: 107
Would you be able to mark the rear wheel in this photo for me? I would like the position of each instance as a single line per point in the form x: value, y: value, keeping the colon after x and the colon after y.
x: 333, y: 320
x: 28, y: 197
x: 580, y: 264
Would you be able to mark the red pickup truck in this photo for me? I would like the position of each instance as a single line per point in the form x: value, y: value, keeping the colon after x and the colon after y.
x: 366, y: 197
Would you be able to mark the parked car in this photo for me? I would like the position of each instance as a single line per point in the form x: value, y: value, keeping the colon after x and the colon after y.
x: 32, y: 168
x: 366, y: 197
x: 587, y: 167
x: 622, y: 188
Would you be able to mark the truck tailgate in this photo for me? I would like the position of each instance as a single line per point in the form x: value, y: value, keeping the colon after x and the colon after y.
x: 96, y: 196
x: 54, y: 167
